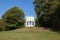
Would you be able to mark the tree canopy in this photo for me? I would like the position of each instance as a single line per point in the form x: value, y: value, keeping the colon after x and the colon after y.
x: 48, y: 13
x: 13, y: 18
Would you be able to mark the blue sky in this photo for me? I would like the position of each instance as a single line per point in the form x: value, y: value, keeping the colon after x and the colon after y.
x: 26, y: 5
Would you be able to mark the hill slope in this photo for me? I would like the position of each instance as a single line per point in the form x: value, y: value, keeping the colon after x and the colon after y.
x: 32, y: 29
x: 32, y: 33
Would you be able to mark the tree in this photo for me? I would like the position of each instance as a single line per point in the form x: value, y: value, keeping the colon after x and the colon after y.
x: 13, y: 18
x: 47, y: 14
x: 0, y: 25
x: 2, y: 28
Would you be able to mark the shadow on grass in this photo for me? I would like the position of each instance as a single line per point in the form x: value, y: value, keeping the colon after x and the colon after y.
x: 51, y: 29
x: 56, y: 30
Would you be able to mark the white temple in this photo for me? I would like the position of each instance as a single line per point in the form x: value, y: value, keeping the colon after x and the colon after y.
x: 30, y: 21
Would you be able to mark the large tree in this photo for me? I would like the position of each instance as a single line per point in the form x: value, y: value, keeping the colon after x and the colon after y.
x: 47, y: 12
x: 13, y: 18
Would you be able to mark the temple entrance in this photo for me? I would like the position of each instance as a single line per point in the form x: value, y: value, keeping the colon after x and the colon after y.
x: 30, y: 22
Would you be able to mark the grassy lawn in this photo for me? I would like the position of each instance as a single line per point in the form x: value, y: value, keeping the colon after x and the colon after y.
x: 17, y: 35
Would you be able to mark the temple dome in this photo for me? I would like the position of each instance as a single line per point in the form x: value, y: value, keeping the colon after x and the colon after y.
x: 29, y: 18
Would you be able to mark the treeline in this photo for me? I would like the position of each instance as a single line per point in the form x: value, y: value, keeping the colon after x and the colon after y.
x: 48, y: 13
x: 13, y: 18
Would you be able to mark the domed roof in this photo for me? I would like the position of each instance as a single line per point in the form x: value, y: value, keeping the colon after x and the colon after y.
x: 29, y: 18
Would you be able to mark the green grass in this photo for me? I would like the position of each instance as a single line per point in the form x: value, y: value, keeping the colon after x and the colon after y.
x: 17, y: 35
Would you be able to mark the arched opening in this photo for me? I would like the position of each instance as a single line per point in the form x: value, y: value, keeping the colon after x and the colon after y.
x: 30, y: 22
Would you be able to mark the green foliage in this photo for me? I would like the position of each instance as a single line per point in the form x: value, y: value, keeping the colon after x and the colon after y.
x: 13, y: 18
x: 48, y: 13
x: 2, y: 28
x: 0, y: 25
